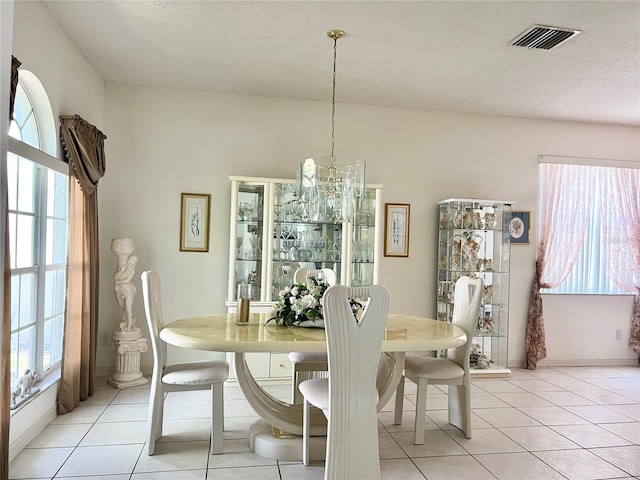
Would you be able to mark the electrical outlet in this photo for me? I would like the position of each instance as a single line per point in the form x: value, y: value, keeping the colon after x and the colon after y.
x: 104, y: 338
x: 619, y: 334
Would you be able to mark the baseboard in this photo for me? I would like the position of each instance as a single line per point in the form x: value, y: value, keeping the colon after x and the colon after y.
x: 18, y: 445
x: 583, y: 362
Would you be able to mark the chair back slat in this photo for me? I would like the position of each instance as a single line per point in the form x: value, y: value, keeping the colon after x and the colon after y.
x: 151, y: 294
x: 466, y: 310
x: 353, y: 349
x: 301, y: 275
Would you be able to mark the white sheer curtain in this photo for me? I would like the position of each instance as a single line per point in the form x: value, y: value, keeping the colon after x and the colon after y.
x: 620, y: 190
x: 566, y: 198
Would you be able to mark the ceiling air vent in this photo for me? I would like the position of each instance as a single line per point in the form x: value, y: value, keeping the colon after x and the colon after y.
x: 543, y: 37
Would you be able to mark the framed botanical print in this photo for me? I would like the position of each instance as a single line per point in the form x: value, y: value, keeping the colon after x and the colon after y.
x: 194, y: 222
x: 396, y: 230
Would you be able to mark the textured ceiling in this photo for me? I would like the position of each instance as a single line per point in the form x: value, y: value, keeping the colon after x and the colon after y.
x: 435, y: 55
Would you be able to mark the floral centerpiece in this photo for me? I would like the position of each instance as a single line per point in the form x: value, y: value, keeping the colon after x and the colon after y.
x: 303, y: 303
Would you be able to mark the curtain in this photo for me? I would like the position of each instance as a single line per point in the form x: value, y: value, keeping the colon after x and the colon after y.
x: 15, y: 64
x: 83, y: 146
x: 620, y: 190
x: 566, y: 197
x: 5, y: 348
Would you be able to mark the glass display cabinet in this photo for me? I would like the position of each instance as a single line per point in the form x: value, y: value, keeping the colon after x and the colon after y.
x: 473, y: 239
x: 272, y: 234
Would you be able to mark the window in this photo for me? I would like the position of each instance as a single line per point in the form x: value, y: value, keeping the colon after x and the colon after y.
x: 38, y: 212
x: 589, y: 274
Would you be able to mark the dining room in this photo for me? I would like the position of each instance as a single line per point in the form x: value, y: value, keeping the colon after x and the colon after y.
x: 180, y: 137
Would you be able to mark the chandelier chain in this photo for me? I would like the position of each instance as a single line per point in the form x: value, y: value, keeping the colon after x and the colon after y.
x: 333, y: 98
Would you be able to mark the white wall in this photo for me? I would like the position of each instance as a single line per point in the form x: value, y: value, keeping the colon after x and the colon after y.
x: 164, y: 141
x: 581, y: 330
x: 73, y: 87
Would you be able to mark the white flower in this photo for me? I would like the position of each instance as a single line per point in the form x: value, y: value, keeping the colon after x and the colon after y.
x: 287, y: 289
x: 308, y: 301
x: 282, y: 293
x: 297, y: 306
x: 315, y: 290
x: 292, y: 300
x: 294, y: 291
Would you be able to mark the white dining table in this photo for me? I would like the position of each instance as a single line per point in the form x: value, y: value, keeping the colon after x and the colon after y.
x: 278, y: 434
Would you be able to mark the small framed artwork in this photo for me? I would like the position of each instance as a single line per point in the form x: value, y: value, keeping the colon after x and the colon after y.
x: 517, y: 224
x: 194, y: 222
x: 396, y: 230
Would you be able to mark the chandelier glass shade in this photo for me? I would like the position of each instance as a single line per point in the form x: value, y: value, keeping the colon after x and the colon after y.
x: 331, y: 190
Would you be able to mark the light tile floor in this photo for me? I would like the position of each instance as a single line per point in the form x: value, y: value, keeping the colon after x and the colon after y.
x: 552, y: 423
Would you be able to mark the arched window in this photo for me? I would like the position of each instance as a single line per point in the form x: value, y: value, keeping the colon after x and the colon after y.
x: 38, y: 212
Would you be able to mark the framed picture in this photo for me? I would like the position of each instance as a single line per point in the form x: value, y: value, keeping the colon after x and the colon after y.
x: 396, y: 230
x: 517, y: 225
x: 194, y: 222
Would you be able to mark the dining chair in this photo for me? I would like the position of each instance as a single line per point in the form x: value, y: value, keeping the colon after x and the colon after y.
x: 201, y: 375
x: 303, y: 363
x: 452, y: 371
x: 348, y: 397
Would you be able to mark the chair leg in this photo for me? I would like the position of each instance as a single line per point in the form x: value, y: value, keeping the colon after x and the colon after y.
x: 305, y: 432
x: 154, y: 417
x: 460, y: 408
x: 217, y: 418
x: 160, y: 415
x: 421, y: 409
x: 397, y: 416
x: 296, y: 396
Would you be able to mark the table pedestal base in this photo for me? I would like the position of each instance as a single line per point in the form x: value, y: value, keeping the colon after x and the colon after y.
x: 286, y: 447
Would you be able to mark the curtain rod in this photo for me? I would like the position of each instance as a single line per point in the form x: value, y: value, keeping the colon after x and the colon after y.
x: 594, y: 162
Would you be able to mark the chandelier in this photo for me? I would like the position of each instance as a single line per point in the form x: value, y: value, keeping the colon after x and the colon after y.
x: 332, y: 190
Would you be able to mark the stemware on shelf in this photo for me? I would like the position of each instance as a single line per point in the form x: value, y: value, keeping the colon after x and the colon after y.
x: 245, y: 210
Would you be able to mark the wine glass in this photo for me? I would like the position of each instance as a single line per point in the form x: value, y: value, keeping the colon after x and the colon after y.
x: 245, y: 209
x: 239, y: 241
x: 255, y: 241
x: 286, y: 269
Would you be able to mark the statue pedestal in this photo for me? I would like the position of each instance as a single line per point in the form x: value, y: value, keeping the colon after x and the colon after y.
x: 129, y: 345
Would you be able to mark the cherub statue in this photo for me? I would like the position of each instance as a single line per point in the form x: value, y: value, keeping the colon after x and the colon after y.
x: 25, y: 382
x: 486, y: 265
x: 470, y: 250
x: 489, y: 220
x: 458, y: 219
x: 445, y: 220
x: 488, y: 325
x: 487, y: 296
x: 467, y: 220
x: 456, y: 247
x: 477, y: 359
x: 476, y: 220
x: 125, y: 290
x: 474, y: 353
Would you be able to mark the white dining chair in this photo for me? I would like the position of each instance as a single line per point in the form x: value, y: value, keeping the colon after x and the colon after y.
x: 201, y: 375
x: 305, y: 363
x: 452, y: 371
x: 348, y: 397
